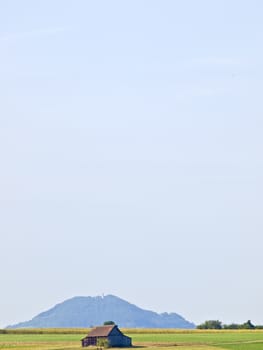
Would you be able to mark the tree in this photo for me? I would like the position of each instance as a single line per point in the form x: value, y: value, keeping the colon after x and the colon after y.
x: 108, y: 323
x: 247, y: 325
x: 211, y: 324
x: 103, y: 343
x: 231, y: 326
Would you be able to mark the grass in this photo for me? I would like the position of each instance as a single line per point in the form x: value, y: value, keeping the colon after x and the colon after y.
x: 199, y: 337
x: 145, y: 339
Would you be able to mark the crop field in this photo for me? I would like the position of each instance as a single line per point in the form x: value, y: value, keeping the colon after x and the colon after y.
x: 144, y: 339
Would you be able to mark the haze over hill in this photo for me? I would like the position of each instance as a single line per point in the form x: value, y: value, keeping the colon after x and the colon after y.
x: 92, y: 311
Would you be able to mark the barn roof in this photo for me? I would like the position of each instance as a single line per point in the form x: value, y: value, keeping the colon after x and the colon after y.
x: 102, y: 331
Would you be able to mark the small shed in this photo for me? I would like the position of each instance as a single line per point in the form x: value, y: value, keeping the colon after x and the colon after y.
x: 112, y: 333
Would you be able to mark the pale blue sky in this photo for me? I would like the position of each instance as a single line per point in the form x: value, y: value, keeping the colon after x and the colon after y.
x: 131, y: 155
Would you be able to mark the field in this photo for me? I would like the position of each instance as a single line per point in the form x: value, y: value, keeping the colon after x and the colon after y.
x: 69, y: 339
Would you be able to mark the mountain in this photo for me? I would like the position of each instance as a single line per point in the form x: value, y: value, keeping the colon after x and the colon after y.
x: 91, y: 311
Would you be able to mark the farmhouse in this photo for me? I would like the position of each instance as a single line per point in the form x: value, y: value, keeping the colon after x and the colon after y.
x: 112, y: 333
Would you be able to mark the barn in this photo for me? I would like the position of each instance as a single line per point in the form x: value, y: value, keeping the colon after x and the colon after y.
x: 112, y: 333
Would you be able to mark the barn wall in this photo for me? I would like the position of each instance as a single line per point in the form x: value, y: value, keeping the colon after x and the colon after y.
x: 119, y: 340
x: 115, y: 332
x: 128, y: 341
x: 91, y: 341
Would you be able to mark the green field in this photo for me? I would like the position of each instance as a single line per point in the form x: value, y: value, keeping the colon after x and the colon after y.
x: 69, y: 339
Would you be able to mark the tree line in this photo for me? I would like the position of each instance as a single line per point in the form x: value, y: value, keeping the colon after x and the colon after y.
x: 215, y: 324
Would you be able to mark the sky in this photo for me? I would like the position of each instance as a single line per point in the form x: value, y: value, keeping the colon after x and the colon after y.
x: 131, y: 155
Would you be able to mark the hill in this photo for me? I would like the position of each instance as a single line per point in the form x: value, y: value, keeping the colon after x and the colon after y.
x: 91, y: 311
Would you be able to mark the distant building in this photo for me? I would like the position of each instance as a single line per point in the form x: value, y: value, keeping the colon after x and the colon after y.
x: 112, y: 333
